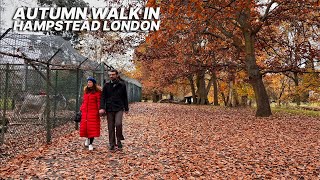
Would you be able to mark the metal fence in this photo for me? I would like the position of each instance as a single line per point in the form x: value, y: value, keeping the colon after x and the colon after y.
x: 41, y: 86
x: 134, y: 89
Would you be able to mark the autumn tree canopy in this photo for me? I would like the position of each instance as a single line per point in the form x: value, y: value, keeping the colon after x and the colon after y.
x: 257, y: 37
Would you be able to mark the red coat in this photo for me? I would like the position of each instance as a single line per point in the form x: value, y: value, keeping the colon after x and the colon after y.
x: 90, y: 119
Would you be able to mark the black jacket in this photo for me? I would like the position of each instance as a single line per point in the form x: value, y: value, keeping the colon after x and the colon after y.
x: 114, y: 97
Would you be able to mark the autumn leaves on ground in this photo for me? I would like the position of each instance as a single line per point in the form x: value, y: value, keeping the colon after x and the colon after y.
x: 169, y: 141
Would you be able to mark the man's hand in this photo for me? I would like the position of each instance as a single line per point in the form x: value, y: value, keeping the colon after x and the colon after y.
x: 101, y: 112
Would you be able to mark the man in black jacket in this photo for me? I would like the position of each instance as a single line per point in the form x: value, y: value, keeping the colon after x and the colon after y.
x: 114, y: 101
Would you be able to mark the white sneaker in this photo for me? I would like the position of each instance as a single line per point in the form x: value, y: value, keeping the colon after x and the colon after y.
x: 86, y: 143
x: 90, y: 147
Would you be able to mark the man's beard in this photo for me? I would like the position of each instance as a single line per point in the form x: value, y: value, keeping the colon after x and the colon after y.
x: 115, y: 80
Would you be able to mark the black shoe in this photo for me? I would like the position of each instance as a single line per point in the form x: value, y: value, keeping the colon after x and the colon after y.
x: 119, y: 144
x: 111, y: 148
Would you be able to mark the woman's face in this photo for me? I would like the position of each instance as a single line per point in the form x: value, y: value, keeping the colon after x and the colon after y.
x: 90, y: 84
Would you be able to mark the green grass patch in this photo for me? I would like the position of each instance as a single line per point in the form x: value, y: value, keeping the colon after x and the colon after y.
x: 296, y: 111
x: 9, y: 104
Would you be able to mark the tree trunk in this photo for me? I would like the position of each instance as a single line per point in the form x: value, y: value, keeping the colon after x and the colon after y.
x: 244, y: 100
x: 171, y: 96
x: 193, y: 89
x: 225, y: 101
x: 202, y: 94
x: 235, y: 98
x: 215, y: 89
x: 255, y: 77
x: 212, y: 80
x: 156, y: 96
x: 296, y: 83
x: 230, y: 95
x: 310, y: 63
x: 263, y: 105
x: 283, y: 85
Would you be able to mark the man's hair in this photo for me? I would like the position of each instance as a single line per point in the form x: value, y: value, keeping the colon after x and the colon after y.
x: 114, y: 70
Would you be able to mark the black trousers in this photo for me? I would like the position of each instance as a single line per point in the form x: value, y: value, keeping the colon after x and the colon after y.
x: 115, y: 127
x: 91, y: 140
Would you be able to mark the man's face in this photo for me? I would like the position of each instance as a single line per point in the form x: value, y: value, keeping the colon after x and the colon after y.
x: 113, y: 75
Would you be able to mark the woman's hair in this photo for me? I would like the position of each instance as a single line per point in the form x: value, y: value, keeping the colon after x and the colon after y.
x: 95, y: 88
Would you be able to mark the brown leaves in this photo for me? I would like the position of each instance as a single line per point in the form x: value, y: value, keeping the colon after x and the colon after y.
x: 168, y: 141
x: 25, y: 138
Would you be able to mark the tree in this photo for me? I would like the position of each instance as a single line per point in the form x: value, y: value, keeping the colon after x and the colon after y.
x: 71, y: 36
x: 236, y: 23
x: 2, y: 5
x: 182, y: 51
x: 292, y: 50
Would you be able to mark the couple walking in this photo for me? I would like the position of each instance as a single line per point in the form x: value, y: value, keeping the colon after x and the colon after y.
x: 112, y: 100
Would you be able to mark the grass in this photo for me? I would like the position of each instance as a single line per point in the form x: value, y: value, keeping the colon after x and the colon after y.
x: 296, y: 111
x: 9, y: 104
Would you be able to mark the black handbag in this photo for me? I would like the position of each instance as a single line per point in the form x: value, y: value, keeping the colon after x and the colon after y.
x: 78, y: 117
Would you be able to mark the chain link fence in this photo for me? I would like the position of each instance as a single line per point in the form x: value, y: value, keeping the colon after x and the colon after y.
x: 42, y: 80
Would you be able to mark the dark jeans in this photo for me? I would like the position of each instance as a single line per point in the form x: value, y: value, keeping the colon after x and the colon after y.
x: 115, y: 127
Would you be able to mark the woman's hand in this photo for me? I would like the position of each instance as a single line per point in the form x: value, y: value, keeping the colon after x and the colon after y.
x: 102, y: 112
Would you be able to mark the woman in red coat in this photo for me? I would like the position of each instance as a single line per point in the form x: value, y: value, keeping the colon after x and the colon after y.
x: 90, y: 119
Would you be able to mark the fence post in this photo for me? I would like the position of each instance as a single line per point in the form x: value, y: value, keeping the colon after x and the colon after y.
x: 47, y: 111
x: 78, y: 90
x: 5, y: 104
x: 55, y: 100
x: 25, y: 77
x: 78, y: 96
x: 102, y: 75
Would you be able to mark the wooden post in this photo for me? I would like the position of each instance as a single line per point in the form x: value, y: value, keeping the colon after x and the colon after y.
x: 5, y: 104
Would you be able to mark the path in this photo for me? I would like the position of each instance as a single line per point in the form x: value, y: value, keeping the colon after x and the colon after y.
x: 168, y: 141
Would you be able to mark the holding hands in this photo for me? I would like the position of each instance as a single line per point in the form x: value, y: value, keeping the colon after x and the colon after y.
x: 102, y: 112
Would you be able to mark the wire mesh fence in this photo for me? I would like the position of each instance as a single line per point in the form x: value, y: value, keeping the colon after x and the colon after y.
x: 42, y: 80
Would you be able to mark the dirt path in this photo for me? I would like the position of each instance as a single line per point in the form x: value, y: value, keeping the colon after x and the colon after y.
x: 167, y: 141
